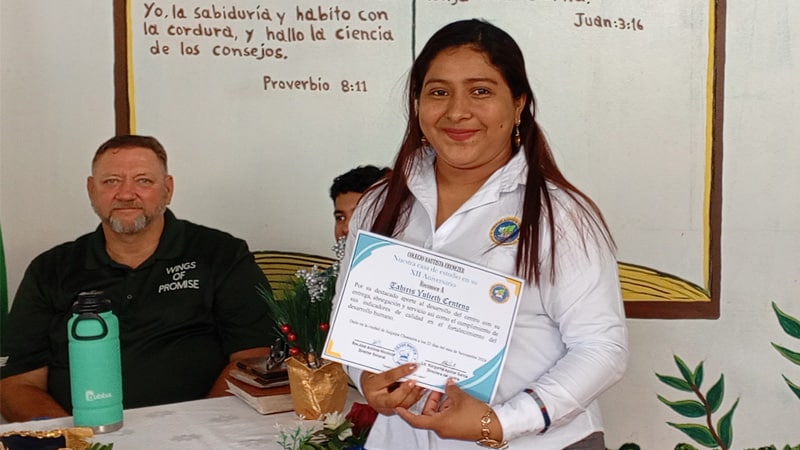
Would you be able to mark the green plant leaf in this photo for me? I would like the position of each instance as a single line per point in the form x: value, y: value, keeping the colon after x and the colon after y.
x: 725, y: 426
x: 788, y: 354
x: 716, y: 393
x: 310, y: 446
x: 630, y: 446
x: 687, y: 374
x: 699, y: 433
x: 790, y: 325
x: 795, y: 388
x: 686, y: 408
x: 99, y: 446
x: 675, y: 382
x: 698, y: 375
x: 685, y: 446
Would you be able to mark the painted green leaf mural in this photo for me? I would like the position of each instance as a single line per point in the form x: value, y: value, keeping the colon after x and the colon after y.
x: 715, y: 394
x: 677, y: 383
x: 699, y: 433
x: 795, y: 388
x: 788, y: 354
x: 789, y: 324
x: 698, y: 375
x: 687, y: 374
x: 725, y: 426
x: 686, y: 408
x: 706, y: 435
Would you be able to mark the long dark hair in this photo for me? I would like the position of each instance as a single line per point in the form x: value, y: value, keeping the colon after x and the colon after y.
x: 506, y: 56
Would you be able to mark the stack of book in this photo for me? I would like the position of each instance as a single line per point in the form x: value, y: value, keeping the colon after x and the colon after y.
x: 266, y: 391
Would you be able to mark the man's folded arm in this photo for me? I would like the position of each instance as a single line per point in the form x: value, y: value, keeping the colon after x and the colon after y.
x: 24, y: 397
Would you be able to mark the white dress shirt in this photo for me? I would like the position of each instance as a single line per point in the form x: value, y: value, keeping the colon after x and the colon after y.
x: 569, y: 342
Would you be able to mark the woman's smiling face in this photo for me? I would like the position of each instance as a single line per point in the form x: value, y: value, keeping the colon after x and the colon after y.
x: 467, y: 111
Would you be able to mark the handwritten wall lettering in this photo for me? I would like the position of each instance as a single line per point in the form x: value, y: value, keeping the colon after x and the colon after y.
x: 579, y: 19
x: 267, y: 34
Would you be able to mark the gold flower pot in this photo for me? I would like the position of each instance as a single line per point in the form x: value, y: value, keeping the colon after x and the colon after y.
x: 316, y: 391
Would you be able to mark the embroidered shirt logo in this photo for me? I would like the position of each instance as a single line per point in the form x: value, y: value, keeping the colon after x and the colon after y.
x: 506, y: 231
x: 178, y: 273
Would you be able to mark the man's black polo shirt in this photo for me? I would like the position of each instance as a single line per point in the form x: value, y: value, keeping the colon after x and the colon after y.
x: 181, y: 313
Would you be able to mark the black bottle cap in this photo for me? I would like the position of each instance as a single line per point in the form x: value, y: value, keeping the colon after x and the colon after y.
x: 91, y: 302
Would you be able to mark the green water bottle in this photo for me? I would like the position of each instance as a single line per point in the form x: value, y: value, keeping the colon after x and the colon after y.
x: 95, y: 369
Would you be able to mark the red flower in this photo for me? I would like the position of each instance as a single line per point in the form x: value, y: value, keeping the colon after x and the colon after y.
x: 362, y: 416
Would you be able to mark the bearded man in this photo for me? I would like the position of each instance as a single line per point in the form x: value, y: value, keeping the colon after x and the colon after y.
x: 185, y: 295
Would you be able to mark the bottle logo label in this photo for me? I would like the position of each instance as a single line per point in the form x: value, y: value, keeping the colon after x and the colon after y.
x: 91, y: 396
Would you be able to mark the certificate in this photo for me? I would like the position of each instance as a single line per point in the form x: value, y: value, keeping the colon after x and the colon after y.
x: 400, y: 303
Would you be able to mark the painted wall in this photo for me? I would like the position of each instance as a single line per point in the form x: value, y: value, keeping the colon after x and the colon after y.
x: 313, y: 94
x: 56, y: 106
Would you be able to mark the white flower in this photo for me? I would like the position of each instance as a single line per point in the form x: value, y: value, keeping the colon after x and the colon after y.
x: 333, y: 420
x: 346, y: 433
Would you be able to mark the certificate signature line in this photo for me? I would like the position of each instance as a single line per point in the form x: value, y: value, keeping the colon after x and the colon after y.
x: 434, y: 363
x: 370, y: 344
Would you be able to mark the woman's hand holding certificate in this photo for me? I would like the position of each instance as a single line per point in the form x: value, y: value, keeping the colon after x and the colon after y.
x: 401, y: 304
x: 384, y: 393
x: 453, y: 415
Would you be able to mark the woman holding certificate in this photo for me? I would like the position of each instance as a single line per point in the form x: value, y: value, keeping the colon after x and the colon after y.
x: 475, y: 179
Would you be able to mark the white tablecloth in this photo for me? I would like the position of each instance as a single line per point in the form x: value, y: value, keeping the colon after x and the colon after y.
x: 209, y: 424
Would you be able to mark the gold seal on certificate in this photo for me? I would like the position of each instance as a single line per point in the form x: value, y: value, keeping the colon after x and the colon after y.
x: 400, y: 303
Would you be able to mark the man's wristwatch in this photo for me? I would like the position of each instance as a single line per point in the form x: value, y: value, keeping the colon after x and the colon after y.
x: 486, y: 441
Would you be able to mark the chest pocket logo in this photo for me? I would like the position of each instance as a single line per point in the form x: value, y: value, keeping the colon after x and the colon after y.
x: 182, y: 278
x: 505, y: 231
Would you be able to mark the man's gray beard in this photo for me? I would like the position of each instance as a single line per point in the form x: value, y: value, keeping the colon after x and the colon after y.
x: 137, y: 225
